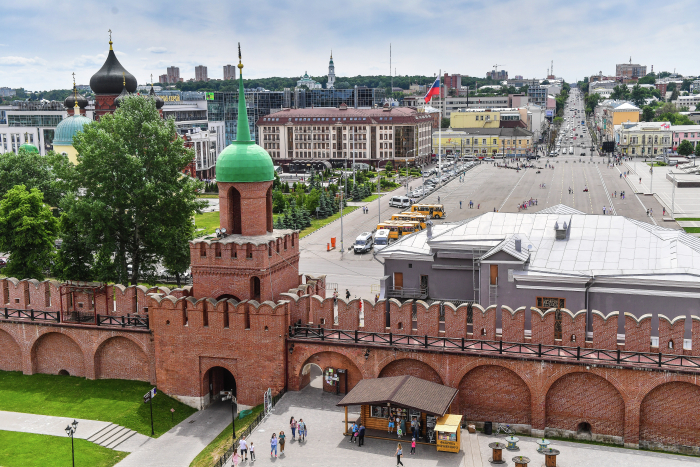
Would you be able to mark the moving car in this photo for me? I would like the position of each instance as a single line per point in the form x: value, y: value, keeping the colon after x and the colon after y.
x: 363, y: 243
x: 399, y: 202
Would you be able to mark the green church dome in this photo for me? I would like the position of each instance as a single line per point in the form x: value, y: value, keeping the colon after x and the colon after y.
x: 243, y: 160
x: 29, y: 147
x: 63, y: 135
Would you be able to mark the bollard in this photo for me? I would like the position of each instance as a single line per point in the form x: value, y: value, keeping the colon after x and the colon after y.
x: 328, y: 247
x: 333, y: 242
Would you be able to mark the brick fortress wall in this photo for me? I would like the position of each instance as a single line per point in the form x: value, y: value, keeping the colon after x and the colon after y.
x: 189, y: 338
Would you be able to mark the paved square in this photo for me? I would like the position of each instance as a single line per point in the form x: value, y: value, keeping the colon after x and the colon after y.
x: 326, y: 445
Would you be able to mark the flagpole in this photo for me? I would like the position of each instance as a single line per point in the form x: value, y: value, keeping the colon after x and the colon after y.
x: 440, y: 127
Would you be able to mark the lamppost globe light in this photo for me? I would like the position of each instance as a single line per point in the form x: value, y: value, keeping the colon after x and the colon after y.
x: 68, y: 430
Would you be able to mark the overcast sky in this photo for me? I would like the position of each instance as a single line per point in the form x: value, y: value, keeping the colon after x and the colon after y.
x: 43, y: 42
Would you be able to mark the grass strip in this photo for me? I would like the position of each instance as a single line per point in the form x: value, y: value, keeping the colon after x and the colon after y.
x: 692, y: 229
x: 211, y: 454
x: 110, y: 400
x: 317, y: 224
x: 31, y: 450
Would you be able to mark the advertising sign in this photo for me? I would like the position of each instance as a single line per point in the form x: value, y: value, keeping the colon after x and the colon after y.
x: 549, y: 113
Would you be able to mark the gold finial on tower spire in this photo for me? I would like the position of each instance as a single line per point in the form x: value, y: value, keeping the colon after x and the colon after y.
x: 331, y: 54
x: 124, y: 79
x: 240, y: 63
x: 75, y: 89
x: 110, y: 39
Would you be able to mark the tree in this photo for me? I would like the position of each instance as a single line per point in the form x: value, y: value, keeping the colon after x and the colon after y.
x: 620, y: 92
x: 28, y: 231
x: 132, y: 188
x: 545, y: 82
x: 176, y: 258
x: 674, y: 95
x: 648, y: 79
x: 75, y: 259
x: 697, y: 149
x: 445, y: 122
x: 49, y: 174
x: 685, y: 86
x: 648, y: 113
x: 685, y: 148
x: 638, y: 95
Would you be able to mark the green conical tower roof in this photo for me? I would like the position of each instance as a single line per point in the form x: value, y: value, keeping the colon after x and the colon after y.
x: 243, y: 160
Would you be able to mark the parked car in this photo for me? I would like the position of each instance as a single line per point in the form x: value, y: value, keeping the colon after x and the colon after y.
x: 363, y: 243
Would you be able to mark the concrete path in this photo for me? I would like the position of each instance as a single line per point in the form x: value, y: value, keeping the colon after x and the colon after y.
x: 103, y: 433
x: 179, y: 446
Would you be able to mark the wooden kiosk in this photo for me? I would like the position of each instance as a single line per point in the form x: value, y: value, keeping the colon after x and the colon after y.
x: 448, y: 433
x: 408, y: 399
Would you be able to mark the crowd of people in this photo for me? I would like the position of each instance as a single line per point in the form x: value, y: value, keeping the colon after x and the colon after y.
x: 277, y: 441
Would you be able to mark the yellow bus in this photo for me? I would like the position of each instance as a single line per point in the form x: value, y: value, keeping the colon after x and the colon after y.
x: 398, y: 229
x: 433, y: 211
x: 411, y: 216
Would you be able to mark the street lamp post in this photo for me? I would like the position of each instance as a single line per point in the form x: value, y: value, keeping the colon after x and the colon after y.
x: 70, y: 431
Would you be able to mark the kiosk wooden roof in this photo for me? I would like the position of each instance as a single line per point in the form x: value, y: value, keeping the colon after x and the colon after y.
x: 402, y: 391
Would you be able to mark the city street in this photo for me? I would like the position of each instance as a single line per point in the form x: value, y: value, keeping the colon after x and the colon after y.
x: 491, y: 186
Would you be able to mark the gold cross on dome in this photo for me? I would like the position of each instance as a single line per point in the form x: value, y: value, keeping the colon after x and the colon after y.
x: 74, y: 78
x: 110, y: 35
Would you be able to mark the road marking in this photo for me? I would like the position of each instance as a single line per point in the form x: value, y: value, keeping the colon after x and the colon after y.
x: 511, y: 191
x: 645, y: 208
x: 612, y: 208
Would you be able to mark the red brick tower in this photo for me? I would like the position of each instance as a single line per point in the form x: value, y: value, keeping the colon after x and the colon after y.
x: 247, y: 260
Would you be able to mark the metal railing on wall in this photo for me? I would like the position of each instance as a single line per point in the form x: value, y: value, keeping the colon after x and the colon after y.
x: 464, y: 345
x: 131, y: 321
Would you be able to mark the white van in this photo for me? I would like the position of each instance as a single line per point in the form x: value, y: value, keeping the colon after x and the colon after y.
x: 381, y: 239
x: 399, y: 202
x: 571, y: 150
x: 363, y: 243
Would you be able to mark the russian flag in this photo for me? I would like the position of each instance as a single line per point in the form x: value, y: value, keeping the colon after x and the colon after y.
x: 433, y: 91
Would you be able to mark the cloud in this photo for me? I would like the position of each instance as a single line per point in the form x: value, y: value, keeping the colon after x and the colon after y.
x: 18, y: 61
x: 157, y: 50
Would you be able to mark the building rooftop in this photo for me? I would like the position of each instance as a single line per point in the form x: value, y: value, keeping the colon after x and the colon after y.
x: 595, y: 245
x: 331, y: 115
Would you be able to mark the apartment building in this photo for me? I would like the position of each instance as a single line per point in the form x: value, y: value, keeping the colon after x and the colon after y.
x: 630, y: 71
x: 685, y: 132
x: 200, y: 73
x: 229, y: 72
x: 342, y: 135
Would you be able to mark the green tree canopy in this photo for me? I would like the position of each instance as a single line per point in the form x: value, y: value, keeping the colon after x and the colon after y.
x: 620, y: 92
x: 28, y: 231
x: 133, y: 194
x: 47, y: 173
x: 637, y: 95
x: 648, y: 113
x: 445, y: 122
x: 648, y: 79
x: 685, y: 148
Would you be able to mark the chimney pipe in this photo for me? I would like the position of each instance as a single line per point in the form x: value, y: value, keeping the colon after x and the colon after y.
x: 518, y: 245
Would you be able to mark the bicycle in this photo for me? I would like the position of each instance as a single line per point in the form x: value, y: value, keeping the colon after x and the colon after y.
x: 506, y: 429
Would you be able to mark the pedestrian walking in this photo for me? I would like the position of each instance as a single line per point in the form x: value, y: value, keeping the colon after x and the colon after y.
x: 438, y: 199
x: 460, y: 205
x: 252, y: 452
x: 273, y: 445
x: 413, y: 445
x: 347, y: 296
x: 361, y: 435
x: 603, y: 210
x: 402, y: 424
x: 292, y: 422
x: 243, y: 445
x: 664, y: 213
x: 282, y: 437
x: 302, y: 430
x: 640, y: 180
x: 235, y: 459
x: 478, y: 206
x: 399, y: 453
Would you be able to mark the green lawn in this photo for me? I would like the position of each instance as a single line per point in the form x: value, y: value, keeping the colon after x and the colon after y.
x: 688, y: 218
x: 30, y: 450
x: 209, y: 195
x: 317, y: 224
x: 370, y: 198
x: 209, y: 221
x: 692, y: 229
x: 222, y: 443
x: 113, y: 400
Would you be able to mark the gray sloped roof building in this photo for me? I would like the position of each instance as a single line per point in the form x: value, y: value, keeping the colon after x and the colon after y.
x: 555, y: 256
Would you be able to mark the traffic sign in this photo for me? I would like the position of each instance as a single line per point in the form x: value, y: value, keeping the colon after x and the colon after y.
x: 149, y: 395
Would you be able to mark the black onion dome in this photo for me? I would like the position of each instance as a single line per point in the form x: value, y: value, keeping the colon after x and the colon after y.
x: 120, y: 97
x: 110, y: 78
x: 82, y: 101
x: 159, y: 100
x: 69, y: 103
